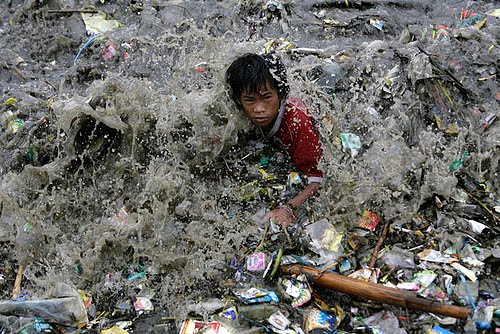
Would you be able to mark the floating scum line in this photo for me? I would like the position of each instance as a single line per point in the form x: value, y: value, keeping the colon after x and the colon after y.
x: 377, y: 292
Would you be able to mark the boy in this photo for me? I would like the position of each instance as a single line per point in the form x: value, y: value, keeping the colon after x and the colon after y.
x: 259, y: 86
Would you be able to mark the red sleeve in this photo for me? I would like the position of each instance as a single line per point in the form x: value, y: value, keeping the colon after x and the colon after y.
x: 305, y: 149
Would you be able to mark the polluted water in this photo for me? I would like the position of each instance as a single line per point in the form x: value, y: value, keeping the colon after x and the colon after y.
x: 131, y: 185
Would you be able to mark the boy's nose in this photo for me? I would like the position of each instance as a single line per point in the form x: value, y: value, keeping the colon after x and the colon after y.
x: 259, y: 107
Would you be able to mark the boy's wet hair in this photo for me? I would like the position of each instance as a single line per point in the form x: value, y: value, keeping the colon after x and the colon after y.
x: 251, y: 71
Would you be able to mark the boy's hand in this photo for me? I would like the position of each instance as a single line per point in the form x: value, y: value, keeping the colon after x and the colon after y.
x: 281, y: 216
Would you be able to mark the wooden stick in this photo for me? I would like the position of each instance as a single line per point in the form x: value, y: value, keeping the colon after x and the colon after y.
x: 17, y: 283
x: 377, y: 292
x: 379, y: 244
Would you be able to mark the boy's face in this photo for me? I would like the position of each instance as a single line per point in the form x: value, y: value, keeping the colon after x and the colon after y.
x: 262, y: 106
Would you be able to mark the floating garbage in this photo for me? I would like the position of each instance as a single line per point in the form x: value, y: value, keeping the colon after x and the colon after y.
x: 377, y: 24
x: 10, y: 101
x: 142, y: 182
x: 109, y: 50
x: 369, y: 220
x: 326, y: 241
x: 256, y: 296
x: 350, y: 143
x: 321, y: 321
x: 441, y: 32
x: 469, y: 17
x: 66, y: 309
x: 15, y: 124
x: 114, y: 330
x: 99, y: 23
x: 193, y: 326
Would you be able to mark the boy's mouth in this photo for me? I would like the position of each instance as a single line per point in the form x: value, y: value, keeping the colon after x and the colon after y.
x: 260, y: 120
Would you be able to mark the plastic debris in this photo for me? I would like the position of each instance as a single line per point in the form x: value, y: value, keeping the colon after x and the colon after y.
x: 67, y: 309
x: 350, y: 143
x: 98, y: 23
x: 317, y: 319
x: 365, y: 274
x: 325, y: 240
x: 377, y: 24
x: 469, y: 17
x: 441, y: 32
x: 494, y: 12
x: 255, y: 296
x: 41, y: 326
x: 456, y: 164
x: 408, y: 286
x: 193, y: 326
x: 109, y: 50
x: 143, y: 304
x: 279, y: 321
x: 469, y: 273
x: 14, y: 124
x: 256, y: 262
x: 10, y: 101
x: 230, y: 313
x: 432, y: 255
x: 485, y: 313
x: 279, y: 44
x: 298, y: 289
x: 440, y: 330
x: 114, y: 330
x: 424, y: 278
x: 369, y: 221
x: 488, y: 121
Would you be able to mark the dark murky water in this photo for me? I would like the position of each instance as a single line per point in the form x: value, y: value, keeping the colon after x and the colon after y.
x: 134, y: 163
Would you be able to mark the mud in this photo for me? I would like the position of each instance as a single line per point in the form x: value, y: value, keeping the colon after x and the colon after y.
x: 134, y: 164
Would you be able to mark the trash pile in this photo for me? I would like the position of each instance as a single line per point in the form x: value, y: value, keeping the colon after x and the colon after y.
x: 132, y: 190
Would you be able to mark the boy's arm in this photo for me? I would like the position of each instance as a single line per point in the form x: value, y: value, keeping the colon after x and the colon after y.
x: 283, y: 215
x: 301, y: 197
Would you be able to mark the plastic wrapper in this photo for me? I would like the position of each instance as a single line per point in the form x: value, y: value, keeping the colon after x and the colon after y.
x: 193, y: 326
x: 397, y: 257
x: 319, y: 320
x: 256, y: 262
x: 326, y: 241
x: 369, y: 221
x: 350, y: 143
x: 67, y: 309
x: 255, y: 295
x: 432, y: 255
x: 279, y: 321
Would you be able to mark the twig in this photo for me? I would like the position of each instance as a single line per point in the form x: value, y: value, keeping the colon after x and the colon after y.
x: 17, y: 283
x: 287, y: 235
x: 263, y: 240
x: 17, y: 72
x: 483, y: 205
x: 379, y: 244
x: 51, y: 85
x: 458, y: 84
x: 67, y: 11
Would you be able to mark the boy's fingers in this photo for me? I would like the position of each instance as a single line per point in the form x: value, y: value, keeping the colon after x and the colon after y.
x: 266, y: 217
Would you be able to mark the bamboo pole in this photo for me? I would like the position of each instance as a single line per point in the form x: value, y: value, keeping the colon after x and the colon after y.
x: 376, y: 292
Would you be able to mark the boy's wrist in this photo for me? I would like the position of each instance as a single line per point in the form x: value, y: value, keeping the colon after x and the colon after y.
x: 289, y: 208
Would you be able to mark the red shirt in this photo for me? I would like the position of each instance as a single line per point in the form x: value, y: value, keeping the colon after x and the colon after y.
x: 295, y: 131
